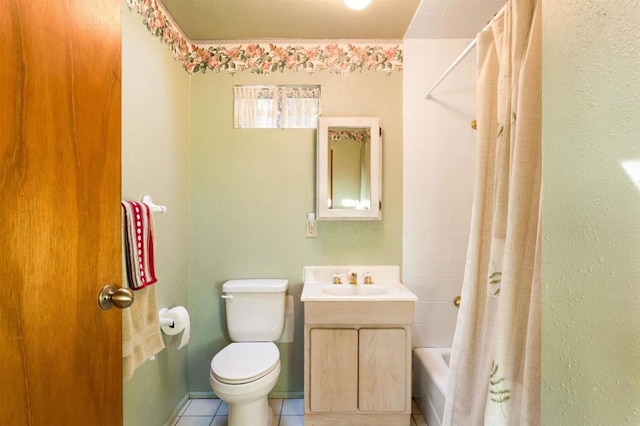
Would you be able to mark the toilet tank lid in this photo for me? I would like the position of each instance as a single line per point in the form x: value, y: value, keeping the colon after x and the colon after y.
x: 255, y: 286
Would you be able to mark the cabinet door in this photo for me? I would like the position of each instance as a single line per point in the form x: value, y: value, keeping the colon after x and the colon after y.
x: 333, y: 370
x: 383, y: 370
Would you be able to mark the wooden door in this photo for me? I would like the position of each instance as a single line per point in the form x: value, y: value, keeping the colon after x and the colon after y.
x: 333, y: 370
x: 383, y: 370
x: 60, y: 355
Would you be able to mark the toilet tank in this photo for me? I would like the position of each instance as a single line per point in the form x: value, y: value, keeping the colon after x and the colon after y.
x: 255, y: 309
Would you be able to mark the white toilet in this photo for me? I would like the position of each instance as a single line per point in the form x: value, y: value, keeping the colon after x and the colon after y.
x: 244, y: 372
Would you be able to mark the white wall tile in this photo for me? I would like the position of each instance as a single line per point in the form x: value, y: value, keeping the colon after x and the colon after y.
x: 437, y: 174
x: 415, y: 197
x: 414, y: 151
x: 439, y: 128
x: 414, y: 244
x: 460, y: 174
x: 413, y: 219
x: 437, y: 243
x: 456, y: 266
x: 461, y: 197
x: 437, y: 220
x: 436, y: 267
x: 460, y: 220
x: 414, y: 105
x: 437, y: 152
x: 438, y: 182
x: 436, y: 197
x: 415, y: 174
x: 443, y: 313
x: 413, y: 267
x: 460, y: 152
x: 435, y: 336
x: 461, y: 118
x: 434, y: 290
x: 458, y: 243
x: 420, y: 312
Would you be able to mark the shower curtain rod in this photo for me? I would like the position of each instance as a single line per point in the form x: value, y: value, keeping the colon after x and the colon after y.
x: 464, y: 53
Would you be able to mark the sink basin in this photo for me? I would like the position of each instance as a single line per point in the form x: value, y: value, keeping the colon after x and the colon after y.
x: 318, y: 285
x: 354, y: 290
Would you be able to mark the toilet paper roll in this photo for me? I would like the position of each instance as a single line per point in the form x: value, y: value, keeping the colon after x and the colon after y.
x: 181, y: 323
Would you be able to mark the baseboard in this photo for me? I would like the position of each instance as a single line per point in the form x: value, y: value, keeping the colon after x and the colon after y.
x: 276, y: 394
x: 287, y: 395
x: 175, y: 412
x: 202, y: 395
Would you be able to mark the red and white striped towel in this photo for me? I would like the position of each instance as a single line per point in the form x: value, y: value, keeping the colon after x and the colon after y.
x: 138, y: 244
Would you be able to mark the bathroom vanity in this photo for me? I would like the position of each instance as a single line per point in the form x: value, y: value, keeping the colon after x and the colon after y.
x: 357, y: 347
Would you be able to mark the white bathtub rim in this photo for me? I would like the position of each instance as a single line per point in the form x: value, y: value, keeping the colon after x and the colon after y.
x: 433, y: 360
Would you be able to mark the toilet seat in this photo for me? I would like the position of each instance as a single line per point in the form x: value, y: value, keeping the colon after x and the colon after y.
x: 245, y: 362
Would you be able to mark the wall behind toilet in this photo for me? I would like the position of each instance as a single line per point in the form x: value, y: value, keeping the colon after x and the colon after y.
x: 250, y: 191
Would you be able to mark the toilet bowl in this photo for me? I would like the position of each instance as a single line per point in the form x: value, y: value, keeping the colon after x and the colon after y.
x: 245, y: 371
x: 243, y: 374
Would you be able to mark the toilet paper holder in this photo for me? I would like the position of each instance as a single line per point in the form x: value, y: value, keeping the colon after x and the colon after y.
x: 164, y: 322
x: 175, y: 321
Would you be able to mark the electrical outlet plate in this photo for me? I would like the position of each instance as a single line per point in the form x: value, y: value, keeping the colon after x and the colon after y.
x: 311, y: 230
x: 311, y: 226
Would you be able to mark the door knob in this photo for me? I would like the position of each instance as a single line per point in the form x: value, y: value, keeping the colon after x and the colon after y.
x: 110, y: 296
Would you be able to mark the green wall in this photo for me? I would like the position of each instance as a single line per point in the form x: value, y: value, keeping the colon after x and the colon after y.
x: 250, y: 190
x: 155, y: 149
x: 591, y: 213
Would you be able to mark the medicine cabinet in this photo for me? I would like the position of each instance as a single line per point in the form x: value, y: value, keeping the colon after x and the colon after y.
x: 349, y: 172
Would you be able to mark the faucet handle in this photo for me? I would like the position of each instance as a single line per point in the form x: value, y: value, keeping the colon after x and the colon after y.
x: 337, y: 278
x: 368, y: 278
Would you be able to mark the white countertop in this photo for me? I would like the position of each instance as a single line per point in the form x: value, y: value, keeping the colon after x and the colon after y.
x: 318, y: 285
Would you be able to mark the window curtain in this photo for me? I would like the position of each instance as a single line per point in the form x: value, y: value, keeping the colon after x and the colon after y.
x: 494, y: 377
x: 276, y: 106
x: 255, y: 106
x: 300, y: 106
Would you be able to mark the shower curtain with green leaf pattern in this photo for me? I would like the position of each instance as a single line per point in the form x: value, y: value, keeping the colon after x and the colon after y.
x: 495, y: 364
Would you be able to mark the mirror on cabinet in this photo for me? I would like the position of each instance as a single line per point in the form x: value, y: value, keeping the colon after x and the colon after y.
x: 349, y: 168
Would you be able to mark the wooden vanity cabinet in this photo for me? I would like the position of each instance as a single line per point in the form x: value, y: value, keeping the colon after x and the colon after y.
x: 333, y: 368
x: 358, y: 363
x: 382, y: 367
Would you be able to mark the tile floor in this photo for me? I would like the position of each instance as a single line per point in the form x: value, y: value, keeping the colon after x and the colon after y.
x: 287, y: 412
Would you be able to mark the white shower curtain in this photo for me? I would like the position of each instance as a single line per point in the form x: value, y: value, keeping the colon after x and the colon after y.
x: 495, y: 364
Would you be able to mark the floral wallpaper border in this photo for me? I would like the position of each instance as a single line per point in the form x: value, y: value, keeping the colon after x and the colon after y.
x: 352, y: 135
x: 264, y: 59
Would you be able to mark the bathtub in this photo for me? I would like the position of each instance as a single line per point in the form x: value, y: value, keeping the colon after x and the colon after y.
x: 430, y: 374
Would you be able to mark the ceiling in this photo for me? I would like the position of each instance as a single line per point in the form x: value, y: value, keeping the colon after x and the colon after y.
x: 330, y: 19
x: 452, y: 18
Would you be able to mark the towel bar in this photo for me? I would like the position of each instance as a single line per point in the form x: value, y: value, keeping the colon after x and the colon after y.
x: 154, y: 208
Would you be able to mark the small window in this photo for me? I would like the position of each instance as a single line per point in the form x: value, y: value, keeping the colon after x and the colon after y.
x: 272, y: 107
